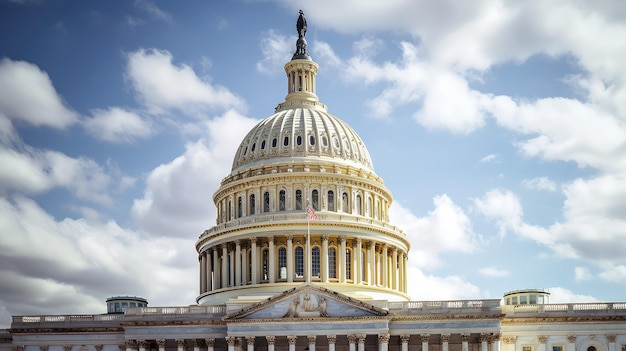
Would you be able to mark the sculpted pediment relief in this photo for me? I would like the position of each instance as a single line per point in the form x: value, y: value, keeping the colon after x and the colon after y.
x: 307, y: 301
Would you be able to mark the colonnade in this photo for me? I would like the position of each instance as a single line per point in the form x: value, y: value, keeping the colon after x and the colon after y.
x: 275, y: 259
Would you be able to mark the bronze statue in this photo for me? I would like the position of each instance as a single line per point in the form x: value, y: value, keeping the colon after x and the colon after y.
x: 301, y: 42
x: 301, y: 25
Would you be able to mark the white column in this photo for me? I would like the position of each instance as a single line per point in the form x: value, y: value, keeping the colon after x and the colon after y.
x: 324, y: 258
x: 161, y: 343
x: 404, y: 342
x: 332, y: 340
x: 231, y: 271
x: 357, y: 259
x: 495, y: 342
x: 444, y: 342
x: 571, y: 345
x: 196, y: 345
x: 464, y: 340
x: 271, y: 339
x: 291, y: 339
x: 311, y: 340
x: 224, y: 266
x: 180, y: 344
x: 216, y: 268
x: 255, y: 261
x: 425, y: 338
x: 385, y: 271
x: 611, y: 339
x: 383, y: 342
x: 250, y: 343
x: 341, y: 269
x: 210, y: 344
x: 371, y: 263
x: 290, y: 254
x: 202, y: 272
x: 209, y: 271
x: 230, y: 341
x: 272, y: 258
x: 142, y: 345
x: 244, y: 265
x: 394, y: 269
x: 237, y: 263
x: 361, y: 338
x: 484, y: 341
x: 352, y: 342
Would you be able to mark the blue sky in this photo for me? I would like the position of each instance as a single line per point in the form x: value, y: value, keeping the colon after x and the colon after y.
x: 497, y: 125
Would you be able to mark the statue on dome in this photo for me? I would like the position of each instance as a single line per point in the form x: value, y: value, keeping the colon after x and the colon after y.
x: 301, y: 43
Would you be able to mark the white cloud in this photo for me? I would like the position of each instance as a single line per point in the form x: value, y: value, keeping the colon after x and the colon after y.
x: 276, y: 49
x: 153, y: 10
x: 494, y: 272
x: 614, y: 274
x: 163, y: 86
x: 540, y: 183
x: 117, y: 125
x: 423, y: 287
x: 444, y: 229
x: 562, y: 295
x: 488, y: 158
x: 503, y: 206
x: 177, y: 199
x: 29, y: 96
x: 582, y: 274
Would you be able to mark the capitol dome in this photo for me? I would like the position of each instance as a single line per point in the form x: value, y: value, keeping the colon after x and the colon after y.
x: 302, y: 204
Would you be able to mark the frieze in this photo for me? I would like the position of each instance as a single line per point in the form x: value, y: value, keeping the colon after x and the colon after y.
x: 564, y: 319
x: 65, y: 330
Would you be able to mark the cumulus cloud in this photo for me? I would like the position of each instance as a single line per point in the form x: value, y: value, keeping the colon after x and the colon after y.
x: 582, y: 274
x: 423, y: 287
x: 164, y: 86
x: 117, y: 125
x: 276, y: 49
x: 153, y: 10
x: 540, y: 183
x: 494, y: 272
x: 488, y: 158
x: 444, y: 229
x: 562, y: 295
x: 29, y: 96
x: 177, y: 200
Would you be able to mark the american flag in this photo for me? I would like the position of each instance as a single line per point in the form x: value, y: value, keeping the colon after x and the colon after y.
x: 310, y: 212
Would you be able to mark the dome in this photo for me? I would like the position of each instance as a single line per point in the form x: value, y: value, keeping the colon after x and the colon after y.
x: 299, y: 134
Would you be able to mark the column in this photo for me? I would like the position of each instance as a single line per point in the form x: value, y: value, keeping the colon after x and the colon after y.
x: 142, y: 345
x: 224, y: 266
x: 495, y: 342
x: 383, y: 342
x: 324, y: 258
x: 332, y: 340
x: 571, y: 345
x: 271, y: 339
x: 196, y: 344
x: 509, y: 342
x: 542, y: 339
x: 611, y: 339
x: 290, y: 254
x: 244, y: 264
x: 292, y: 342
x: 230, y: 341
x: 65, y: 347
x: 357, y: 259
x: 216, y: 267
x: 394, y: 269
x: 250, y: 343
x: 404, y: 272
x: 341, y: 269
x: 371, y: 263
x: 45, y: 347
x: 351, y: 342
x: 385, y: 267
x: 180, y: 344
x: 161, y: 344
x: 311, y: 341
x: 255, y: 261
x: 361, y: 338
x: 231, y: 265
x: 209, y: 271
x: 464, y: 339
x: 237, y: 263
x: 210, y: 344
x: 130, y: 345
x: 425, y: 338
x: 202, y: 262
x: 404, y: 342
x: 445, y: 338
x: 484, y: 341
x: 272, y: 258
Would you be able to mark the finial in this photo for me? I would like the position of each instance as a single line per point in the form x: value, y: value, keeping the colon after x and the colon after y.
x: 301, y: 52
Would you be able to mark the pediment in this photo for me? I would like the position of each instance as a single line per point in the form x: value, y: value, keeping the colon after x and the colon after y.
x: 307, y: 301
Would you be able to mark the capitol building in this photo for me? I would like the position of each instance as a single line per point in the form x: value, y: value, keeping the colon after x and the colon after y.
x: 303, y: 257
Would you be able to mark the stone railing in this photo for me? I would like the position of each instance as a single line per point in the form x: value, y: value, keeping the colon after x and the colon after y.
x: 589, y: 307
x: 75, y: 319
x: 433, y: 307
x: 213, y: 310
x: 300, y: 216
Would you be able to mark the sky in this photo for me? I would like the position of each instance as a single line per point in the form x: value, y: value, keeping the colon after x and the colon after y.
x: 499, y: 127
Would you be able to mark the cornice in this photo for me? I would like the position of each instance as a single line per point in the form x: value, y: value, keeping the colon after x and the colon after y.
x: 563, y: 319
x: 447, y: 317
x: 74, y: 330
x: 146, y: 323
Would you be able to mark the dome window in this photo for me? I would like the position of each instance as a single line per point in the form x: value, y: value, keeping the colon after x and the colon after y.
x: 312, y: 140
x: 274, y: 142
x: 336, y: 142
x: 324, y: 141
x: 299, y: 140
x: 263, y: 145
x: 286, y: 141
x: 245, y: 151
x: 253, y: 147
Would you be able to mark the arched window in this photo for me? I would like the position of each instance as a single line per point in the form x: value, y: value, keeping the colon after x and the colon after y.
x: 282, y: 263
x: 252, y: 204
x: 331, y: 200
x: 315, y: 264
x: 312, y: 140
x: 346, y: 203
x: 332, y: 263
x: 281, y: 200
x: 263, y: 145
x: 299, y: 140
x: 315, y: 198
x: 359, y: 210
x: 348, y: 264
x: 369, y: 207
x: 274, y: 142
x: 229, y: 211
x: 298, y: 200
x: 299, y: 262
x: 265, y: 275
x: 239, y: 207
x: 266, y: 201
x: 286, y: 141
